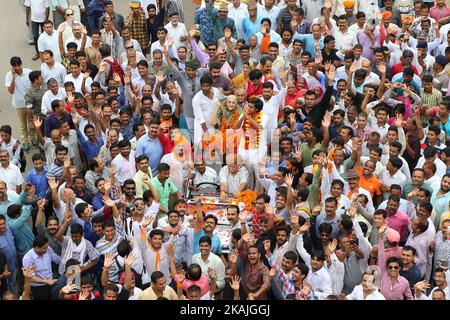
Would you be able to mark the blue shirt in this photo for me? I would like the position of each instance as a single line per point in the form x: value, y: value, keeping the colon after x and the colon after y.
x: 43, y: 264
x: 39, y: 180
x: 416, y: 81
x: 216, y: 246
x: 91, y: 149
x: 97, y: 202
x: 23, y: 235
x: 250, y: 27
x: 322, y: 218
x: 205, y: 19
x: 8, y: 247
x: 153, y: 149
x: 308, y: 40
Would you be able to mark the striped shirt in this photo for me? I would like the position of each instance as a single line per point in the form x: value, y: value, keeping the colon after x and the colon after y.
x: 55, y: 171
x: 431, y: 99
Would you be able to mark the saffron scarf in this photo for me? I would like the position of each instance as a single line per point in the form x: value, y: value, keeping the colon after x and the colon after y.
x: 247, y: 128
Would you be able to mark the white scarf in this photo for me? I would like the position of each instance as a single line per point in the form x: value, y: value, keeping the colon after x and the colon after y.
x: 72, y: 248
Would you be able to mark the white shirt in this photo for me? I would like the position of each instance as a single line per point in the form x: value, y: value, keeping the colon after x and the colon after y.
x: 178, y: 170
x: 441, y: 168
x: 238, y: 14
x: 213, y: 262
x: 78, y: 42
x: 127, y: 168
x: 203, y: 111
x: 48, y: 97
x: 22, y: 85
x: 210, y: 175
x: 434, y: 182
x: 38, y: 9
x: 157, y: 45
x: 272, y: 14
x: 57, y: 72
x: 336, y: 270
x: 398, y: 178
x: 429, y: 61
x: 176, y: 33
x: 344, y: 41
x: 78, y: 81
x: 357, y: 294
x: 270, y: 109
x: 50, y: 42
x: 11, y: 176
x: 233, y: 181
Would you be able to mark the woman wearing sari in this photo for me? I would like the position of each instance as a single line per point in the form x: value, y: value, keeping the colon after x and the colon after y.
x: 295, y: 91
x: 227, y: 114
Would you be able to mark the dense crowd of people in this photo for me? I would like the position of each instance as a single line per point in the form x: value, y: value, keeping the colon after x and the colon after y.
x: 321, y: 126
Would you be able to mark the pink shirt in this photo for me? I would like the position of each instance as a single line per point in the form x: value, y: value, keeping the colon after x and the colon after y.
x: 399, y: 222
x: 437, y: 13
x: 203, y: 283
x: 399, y: 290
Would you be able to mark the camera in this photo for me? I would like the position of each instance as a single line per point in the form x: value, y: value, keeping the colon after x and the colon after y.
x: 130, y: 209
x: 354, y: 242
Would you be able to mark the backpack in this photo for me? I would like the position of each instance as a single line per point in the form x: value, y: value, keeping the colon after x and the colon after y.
x: 115, y: 68
x: 23, y: 160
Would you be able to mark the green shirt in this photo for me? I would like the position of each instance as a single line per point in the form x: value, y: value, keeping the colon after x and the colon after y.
x: 164, y: 191
x: 307, y: 153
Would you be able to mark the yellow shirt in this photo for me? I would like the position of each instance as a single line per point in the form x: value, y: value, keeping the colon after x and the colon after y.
x: 149, y: 294
x: 141, y: 187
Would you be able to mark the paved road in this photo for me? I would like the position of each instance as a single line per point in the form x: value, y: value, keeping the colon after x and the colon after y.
x: 12, y: 33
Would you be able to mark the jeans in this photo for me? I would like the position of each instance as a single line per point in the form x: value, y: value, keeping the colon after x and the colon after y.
x: 35, y: 30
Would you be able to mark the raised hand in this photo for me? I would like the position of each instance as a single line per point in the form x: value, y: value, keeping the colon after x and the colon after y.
x: 37, y: 122
x: 227, y: 34
x: 233, y: 256
x: 109, y: 260
x: 169, y: 41
x: 130, y: 259
x: 147, y: 220
x: 87, y: 74
x: 399, y: 120
x: 294, y: 219
x: 70, y: 97
x: 69, y: 288
x: 235, y: 283
x: 116, y: 78
x: 305, y: 227
x: 272, y: 273
x: 332, y: 246
x: 381, y: 67
x: 317, y: 209
x: 52, y: 183
x: 113, y: 170
x: 160, y: 77
x: 298, y: 153
x: 41, y: 203
x: 67, y: 162
x: 211, y: 274
x: 108, y: 202
x: 289, y: 179
x: 108, y: 186
x: 326, y: 120
x: 422, y: 286
x: 353, y: 68
x: 83, y: 295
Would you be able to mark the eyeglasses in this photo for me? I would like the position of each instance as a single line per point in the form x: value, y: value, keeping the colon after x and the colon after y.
x: 393, y: 267
x: 131, y: 188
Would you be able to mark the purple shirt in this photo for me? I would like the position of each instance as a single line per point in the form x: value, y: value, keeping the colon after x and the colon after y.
x: 367, y: 45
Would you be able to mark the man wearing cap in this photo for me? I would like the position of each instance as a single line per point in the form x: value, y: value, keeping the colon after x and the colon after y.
x: 440, y: 76
x: 137, y: 25
x: 221, y: 21
x: 338, y: 8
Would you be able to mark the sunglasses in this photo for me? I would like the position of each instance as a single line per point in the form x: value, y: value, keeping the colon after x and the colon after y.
x: 69, y: 14
x: 393, y: 267
x: 131, y: 188
x: 129, y: 47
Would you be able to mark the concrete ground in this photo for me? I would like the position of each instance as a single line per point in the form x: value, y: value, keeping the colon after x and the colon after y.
x: 12, y: 33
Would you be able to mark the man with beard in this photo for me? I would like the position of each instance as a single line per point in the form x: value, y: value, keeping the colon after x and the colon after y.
x: 164, y: 186
x: 257, y: 281
x: 440, y: 199
x: 409, y: 269
x: 125, y: 162
x: 50, y: 231
x: 285, y: 242
x: 418, y: 181
x: 440, y: 279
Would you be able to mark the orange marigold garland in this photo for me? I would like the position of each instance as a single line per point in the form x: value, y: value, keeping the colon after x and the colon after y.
x: 252, y: 144
x: 247, y: 197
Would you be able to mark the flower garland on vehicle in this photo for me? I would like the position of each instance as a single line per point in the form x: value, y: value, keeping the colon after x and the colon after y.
x: 247, y: 197
x: 247, y: 127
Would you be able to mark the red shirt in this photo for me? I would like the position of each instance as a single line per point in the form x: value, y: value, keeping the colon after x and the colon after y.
x: 397, y: 68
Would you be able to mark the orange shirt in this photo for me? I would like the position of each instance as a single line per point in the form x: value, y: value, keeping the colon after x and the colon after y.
x: 373, y: 185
